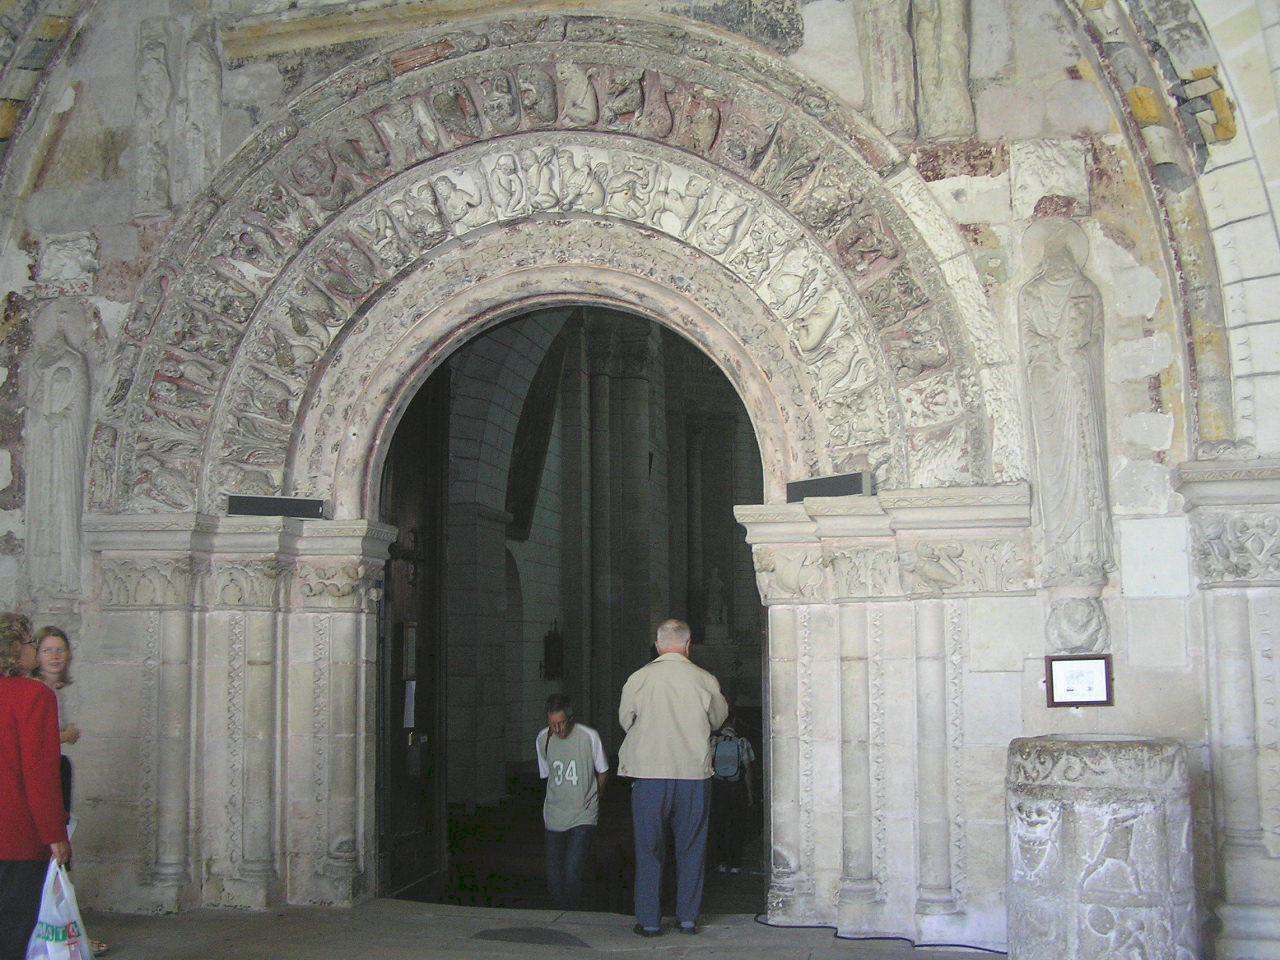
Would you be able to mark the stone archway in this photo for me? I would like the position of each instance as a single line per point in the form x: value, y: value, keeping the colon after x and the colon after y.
x: 861, y: 304
x: 405, y: 205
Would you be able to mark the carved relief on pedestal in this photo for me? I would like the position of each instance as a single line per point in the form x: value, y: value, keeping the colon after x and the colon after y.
x: 1099, y: 856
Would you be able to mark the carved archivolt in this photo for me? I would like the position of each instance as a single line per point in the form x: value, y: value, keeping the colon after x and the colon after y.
x: 485, y: 155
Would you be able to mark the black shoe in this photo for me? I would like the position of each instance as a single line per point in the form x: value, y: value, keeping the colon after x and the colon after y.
x: 691, y: 929
x: 642, y: 931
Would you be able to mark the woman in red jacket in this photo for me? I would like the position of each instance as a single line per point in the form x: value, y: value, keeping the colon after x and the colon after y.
x: 33, y: 823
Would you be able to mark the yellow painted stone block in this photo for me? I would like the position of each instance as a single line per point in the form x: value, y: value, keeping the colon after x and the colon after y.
x: 10, y: 110
x: 1146, y: 105
x: 52, y: 28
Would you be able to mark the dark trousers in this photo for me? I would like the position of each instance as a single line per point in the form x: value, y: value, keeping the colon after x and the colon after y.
x: 683, y: 806
x: 66, y: 783
x: 21, y: 883
x: 566, y: 857
x: 729, y: 819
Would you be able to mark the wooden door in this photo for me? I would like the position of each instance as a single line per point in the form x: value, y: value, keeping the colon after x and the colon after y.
x: 412, y: 816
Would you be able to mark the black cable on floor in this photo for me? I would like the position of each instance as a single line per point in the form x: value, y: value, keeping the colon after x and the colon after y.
x: 759, y: 918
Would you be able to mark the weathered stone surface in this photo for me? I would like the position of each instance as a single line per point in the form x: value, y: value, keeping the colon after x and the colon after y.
x: 1099, y: 848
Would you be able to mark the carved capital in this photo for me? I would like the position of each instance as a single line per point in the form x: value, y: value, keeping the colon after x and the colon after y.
x: 240, y: 582
x: 145, y: 582
x: 1230, y: 547
x: 337, y: 585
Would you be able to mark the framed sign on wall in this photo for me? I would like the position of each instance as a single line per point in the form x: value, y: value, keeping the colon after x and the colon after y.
x: 1078, y: 680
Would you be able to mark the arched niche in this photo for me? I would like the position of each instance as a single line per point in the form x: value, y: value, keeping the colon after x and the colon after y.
x: 406, y: 199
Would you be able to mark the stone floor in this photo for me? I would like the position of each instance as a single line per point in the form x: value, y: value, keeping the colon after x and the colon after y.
x: 496, y: 905
x: 404, y: 930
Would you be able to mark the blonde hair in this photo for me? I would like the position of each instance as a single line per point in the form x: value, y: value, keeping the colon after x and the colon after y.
x: 15, y: 630
x: 41, y: 635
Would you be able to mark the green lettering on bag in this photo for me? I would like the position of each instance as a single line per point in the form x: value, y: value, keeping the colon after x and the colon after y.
x: 57, y: 932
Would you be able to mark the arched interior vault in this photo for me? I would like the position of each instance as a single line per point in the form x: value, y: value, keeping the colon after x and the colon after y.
x: 409, y: 197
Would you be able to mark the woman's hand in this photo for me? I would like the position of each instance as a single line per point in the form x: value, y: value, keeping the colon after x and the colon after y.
x: 71, y: 734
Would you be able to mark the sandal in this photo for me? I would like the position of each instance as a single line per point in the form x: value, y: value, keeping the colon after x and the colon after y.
x: 98, y: 947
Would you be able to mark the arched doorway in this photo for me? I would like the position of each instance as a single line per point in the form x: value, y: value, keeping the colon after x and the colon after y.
x: 593, y: 460
x: 416, y: 201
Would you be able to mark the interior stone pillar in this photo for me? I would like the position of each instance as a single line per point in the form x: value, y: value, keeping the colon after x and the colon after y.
x: 1234, y: 509
x: 602, y: 359
x: 865, y: 747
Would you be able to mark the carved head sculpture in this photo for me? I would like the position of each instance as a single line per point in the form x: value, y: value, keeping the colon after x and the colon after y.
x: 1059, y: 246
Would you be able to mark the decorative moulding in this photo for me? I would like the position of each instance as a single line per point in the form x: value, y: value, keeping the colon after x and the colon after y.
x: 1223, y: 483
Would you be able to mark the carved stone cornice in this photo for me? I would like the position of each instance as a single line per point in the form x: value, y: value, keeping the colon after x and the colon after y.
x: 1225, y: 483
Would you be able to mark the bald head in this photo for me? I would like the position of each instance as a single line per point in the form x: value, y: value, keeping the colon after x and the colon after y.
x: 673, y: 637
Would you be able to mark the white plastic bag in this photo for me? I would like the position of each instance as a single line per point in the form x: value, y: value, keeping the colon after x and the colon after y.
x: 59, y: 932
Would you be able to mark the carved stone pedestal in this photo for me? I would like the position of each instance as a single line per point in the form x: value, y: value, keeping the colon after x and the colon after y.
x: 1099, y: 851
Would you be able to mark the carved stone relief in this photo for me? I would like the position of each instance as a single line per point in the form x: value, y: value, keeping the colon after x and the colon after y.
x: 1236, y: 546
x: 57, y: 431
x: 159, y: 582
x: 340, y: 207
x: 1099, y: 856
x: 153, y: 163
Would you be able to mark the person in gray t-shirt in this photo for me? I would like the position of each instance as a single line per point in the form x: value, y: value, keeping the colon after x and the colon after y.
x: 571, y: 759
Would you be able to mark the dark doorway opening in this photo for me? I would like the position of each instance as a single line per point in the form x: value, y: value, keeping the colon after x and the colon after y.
x: 581, y: 465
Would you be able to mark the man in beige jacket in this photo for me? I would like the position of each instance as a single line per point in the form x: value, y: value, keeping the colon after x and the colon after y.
x: 669, y: 708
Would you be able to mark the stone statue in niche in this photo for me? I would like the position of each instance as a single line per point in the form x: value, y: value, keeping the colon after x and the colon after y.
x: 151, y: 158
x: 1061, y: 320
x: 57, y: 434
x: 715, y: 597
x: 915, y: 65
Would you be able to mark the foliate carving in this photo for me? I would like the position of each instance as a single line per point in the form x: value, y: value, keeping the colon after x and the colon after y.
x: 862, y: 571
x: 159, y: 582
x: 1231, y: 547
x: 244, y: 583
x: 346, y: 586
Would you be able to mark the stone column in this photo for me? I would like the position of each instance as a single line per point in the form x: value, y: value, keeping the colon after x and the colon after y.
x: 139, y: 626
x: 336, y: 570
x: 1234, y: 508
x: 1099, y: 849
x: 242, y: 739
x: 865, y: 718
x: 934, y: 894
x: 602, y: 357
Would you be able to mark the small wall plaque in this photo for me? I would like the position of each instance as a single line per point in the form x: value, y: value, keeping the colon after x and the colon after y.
x: 1078, y: 680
